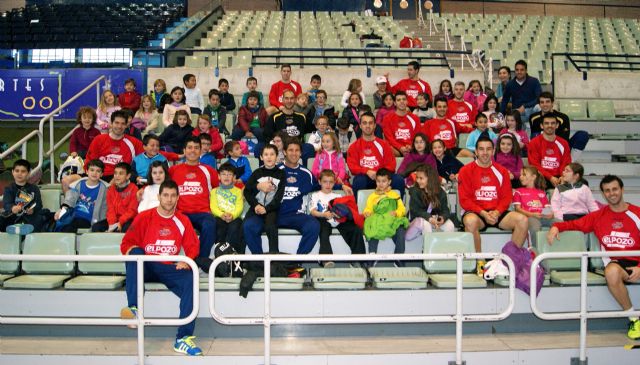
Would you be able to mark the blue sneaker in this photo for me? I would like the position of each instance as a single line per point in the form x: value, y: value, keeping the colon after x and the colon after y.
x: 185, y: 345
x: 20, y: 229
x: 129, y: 313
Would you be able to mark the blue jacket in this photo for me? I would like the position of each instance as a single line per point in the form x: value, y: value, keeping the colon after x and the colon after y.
x: 243, y: 169
x: 298, y: 182
x: 519, y: 95
x: 140, y: 165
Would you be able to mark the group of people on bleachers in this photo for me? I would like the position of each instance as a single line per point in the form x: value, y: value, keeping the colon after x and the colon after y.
x: 128, y: 185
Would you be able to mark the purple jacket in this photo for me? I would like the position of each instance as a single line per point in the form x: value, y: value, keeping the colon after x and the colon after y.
x: 510, y: 162
x: 427, y: 159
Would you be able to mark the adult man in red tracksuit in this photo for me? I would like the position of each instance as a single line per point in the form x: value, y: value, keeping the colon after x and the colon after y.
x: 412, y: 85
x: 461, y: 111
x: 549, y: 153
x: 400, y: 127
x: 484, y: 190
x: 114, y: 147
x: 444, y: 129
x: 278, y: 88
x: 163, y: 231
x: 367, y: 155
x: 617, y: 227
x: 195, y: 182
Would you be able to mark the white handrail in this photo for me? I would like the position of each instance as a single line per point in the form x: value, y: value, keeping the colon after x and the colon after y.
x: 267, y: 320
x: 583, y: 314
x: 140, y: 321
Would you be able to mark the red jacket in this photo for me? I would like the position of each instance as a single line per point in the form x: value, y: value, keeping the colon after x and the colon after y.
x: 399, y: 131
x: 615, y: 231
x: 216, y: 140
x: 412, y: 88
x: 129, y: 100
x: 194, y: 185
x: 122, y: 204
x: 484, y: 188
x: 158, y: 235
x: 112, y: 152
x: 275, y: 94
x: 442, y: 129
x: 550, y: 158
x: 350, y: 202
x: 370, y: 155
x: 245, y: 117
x: 463, y: 114
x: 81, y: 139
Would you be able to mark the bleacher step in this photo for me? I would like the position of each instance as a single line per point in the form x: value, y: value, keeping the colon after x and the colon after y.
x: 590, y: 155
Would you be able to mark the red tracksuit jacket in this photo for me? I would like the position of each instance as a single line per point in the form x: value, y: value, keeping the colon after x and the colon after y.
x: 399, y: 131
x: 463, y: 114
x: 112, y: 152
x: 370, y: 155
x: 442, y: 129
x: 275, y: 94
x: 484, y: 188
x: 550, y: 158
x: 122, y: 204
x: 412, y: 88
x: 194, y: 185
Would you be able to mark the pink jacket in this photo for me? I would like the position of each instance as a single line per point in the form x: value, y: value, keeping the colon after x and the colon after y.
x: 382, y: 112
x: 330, y: 161
x: 572, y: 199
x: 476, y: 101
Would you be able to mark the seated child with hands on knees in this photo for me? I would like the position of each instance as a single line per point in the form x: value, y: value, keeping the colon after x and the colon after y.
x: 531, y: 200
x: 322, y: 128
x: 508, y: 155
x: 226, y: 205
x: 385, y: 215
x: 428, y: 206
x: 350, y: 231
x: 330, y: 158
x: 122, y: 204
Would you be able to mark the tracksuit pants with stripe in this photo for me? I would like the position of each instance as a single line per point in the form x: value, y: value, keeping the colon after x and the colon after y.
x: 180, y: 282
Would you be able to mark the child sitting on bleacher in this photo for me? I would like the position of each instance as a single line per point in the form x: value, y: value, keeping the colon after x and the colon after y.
x: 264, y: 192
x: 130, y: 98
x: 204, y: 127
x: 475, y: 95
x: 508, y: 155
x: 148, y: 195
x: 174, y: 136
x: 424, y: 111
x: 122, y: 204
x: 141, y: 163
x: 496, y: 119
x: 108, y: 104
x: 482, y: 128
x: 82, y: 137
x: 346, y: 135
x: 322, y: 108
x: 315, y: 83
x: 515, y: 127
x: 302, y: 106
x: 385, y: 215
x: 159, y: 95
x: 531, y: 200
x: 206, y: 156
x: 352, y: 111
x: 448, y: 165
x: 419, y: 154
x: 216, y: 112
x: 428, y: 205
x: 22, y: 202
x: 252, y: 117
x: 381, y: 91
x: 573, y: 198
x: 355, y: 87
x: 192, y: 94
x: 233, y: 150
x: 388, y: 106
x: 252, y: 86
x: 147, y: 118
x: 330, y: 158
x: 350, y: 228
x: 315, y: 137
x: 86, y: 201
x: 226, y: 206
x: 445, y: 91
x: 177, y: 103
x: 226, y: 98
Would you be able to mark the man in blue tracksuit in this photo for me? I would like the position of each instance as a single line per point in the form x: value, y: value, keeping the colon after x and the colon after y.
x: 298, y: 182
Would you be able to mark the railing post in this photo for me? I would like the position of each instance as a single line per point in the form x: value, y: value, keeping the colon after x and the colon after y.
x: 582, y: 360
x: 140, y: 295
x: 52, y: 142
x: 267, y: 311
x: 459, y: 310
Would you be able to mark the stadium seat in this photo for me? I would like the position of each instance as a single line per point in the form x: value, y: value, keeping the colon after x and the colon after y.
x: 575, y: 109
x: 98, y: 275
x: 338, y: 278
x: 566, y: 271
x: 398, y: 277
x: 9, y: 245
x: 363, y: 195
x: 51, y: 199
x: 601, y: 109
x: 442, y: 273
x: 42, y: 274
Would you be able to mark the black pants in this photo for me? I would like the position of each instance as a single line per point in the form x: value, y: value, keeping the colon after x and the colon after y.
x: 75, y: 224
x: 254, y: 225
x: 103, y: 226
x: 350, y: 232
x: 38, y: 220
x: 230, y: 232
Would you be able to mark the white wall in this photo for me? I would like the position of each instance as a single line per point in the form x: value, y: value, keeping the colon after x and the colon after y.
x: 6, y: 5
x: 622, y: 87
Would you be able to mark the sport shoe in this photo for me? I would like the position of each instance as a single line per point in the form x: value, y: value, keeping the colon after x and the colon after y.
x: 328, y: 264
x: 185, y: 345
x: 634, y: 330
x: 20, y: 229
x: 480, y: 267
x: 129, y: 313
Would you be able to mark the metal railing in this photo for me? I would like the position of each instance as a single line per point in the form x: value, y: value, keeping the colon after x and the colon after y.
x: 53, y: 146
x: 267, y: 320
x: 583, y: 315
x: 140, y: 321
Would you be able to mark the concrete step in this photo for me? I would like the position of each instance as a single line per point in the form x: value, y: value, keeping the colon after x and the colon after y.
x: 590, y: 155
x: 617, y: 147
x: 614, y: 168
x: 630, y: 182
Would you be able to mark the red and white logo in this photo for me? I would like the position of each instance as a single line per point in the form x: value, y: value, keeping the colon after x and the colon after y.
x: 620, y: 240
x: 485, y: 179
x: 402, y: 124
x: 549, y: 151
x: 162, y: 247
x: 190, y: 188
x: 115, y: 149
x: 617, y: 225
x: 550, y: 163
x: 367, y: 151
x: 403, y: 134
x: 292, y: 179
x: 446, y: 135
x: 190, y: 175
x: 486, y: 193
x: 111, y: 159
x: 369, y: 162
x: 164, y: 232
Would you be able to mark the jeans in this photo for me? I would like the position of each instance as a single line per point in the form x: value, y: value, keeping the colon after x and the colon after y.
x: 398, y: 239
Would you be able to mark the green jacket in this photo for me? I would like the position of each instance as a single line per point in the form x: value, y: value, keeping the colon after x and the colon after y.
x: 381, y: 224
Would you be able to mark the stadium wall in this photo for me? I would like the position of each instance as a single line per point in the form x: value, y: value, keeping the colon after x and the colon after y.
x: 622, y: 9
x: 621, y: 87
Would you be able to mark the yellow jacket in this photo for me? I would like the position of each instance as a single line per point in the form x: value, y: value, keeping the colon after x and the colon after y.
x: 375, y: 197
x: 227, y: 201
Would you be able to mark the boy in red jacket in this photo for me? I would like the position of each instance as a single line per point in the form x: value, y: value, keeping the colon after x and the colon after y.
x: 130, y: 99
x: 122, y: 205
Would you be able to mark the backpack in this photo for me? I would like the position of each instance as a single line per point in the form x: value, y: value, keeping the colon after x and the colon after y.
x: 71, y: 166
x: 229, y: 269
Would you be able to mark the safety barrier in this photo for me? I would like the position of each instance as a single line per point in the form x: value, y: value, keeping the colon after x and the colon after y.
x: 267, y: 320
x: 140, y: 322
x: 583, y: 315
